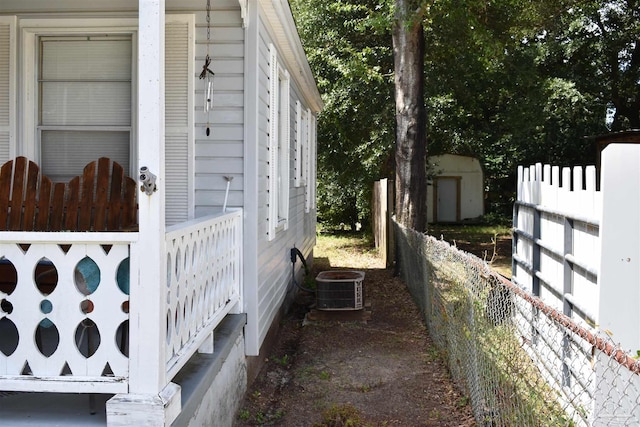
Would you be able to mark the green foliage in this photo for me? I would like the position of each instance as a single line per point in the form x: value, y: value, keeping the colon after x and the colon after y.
x: 244, y: 414
x: 511, y: 82
x: 349, y: 50
x: 283, y: 361
x: 492, y: 93
x: 341, y: 416
x: 595, y: 45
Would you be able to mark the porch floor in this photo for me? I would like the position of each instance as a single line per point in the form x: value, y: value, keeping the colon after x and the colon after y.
x: 51, y: 409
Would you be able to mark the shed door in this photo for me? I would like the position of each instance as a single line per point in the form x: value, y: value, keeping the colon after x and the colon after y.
x: 447, y: 199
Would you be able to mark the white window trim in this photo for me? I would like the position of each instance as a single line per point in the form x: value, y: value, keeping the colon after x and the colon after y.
x: 31, y: 30
x: 303, y: 144
x: 306, y: 177
x: 313, y: 158
x: 307, y: 169
x: 279, y: 145
x: 298, y: 178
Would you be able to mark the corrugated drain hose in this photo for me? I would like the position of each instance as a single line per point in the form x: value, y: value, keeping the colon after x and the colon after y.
x: 295, y: 252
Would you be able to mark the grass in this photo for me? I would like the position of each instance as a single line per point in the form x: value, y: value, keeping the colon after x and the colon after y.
x: 491, y: 243
x: 493, y: 356
x: 346, y: 249
x: 356, y: 250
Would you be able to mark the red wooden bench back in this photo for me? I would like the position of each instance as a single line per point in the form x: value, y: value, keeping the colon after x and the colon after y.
x: 102, y: 199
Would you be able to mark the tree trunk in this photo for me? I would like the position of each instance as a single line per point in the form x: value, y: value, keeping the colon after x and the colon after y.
x: 411, y: 117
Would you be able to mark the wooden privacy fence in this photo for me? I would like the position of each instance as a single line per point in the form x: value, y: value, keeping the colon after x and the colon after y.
x: 381, y: 213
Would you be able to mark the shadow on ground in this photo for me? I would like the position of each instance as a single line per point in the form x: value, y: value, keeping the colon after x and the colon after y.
x: 383, y: 372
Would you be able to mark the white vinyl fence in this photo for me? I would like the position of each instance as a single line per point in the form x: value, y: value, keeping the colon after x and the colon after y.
x: 556, y: 243
x: 577, y: 249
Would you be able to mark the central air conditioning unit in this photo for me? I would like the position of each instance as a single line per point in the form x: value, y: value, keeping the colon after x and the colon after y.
x: 340, y: 290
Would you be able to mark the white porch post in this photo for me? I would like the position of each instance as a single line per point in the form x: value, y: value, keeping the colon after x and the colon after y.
x: 151, y: 400
x: 147, y: 356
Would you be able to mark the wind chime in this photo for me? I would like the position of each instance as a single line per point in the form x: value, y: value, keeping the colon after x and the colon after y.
x: 207, y: 74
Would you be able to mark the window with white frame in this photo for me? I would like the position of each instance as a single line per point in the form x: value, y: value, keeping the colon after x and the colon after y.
x: 304, y: 160
x: 297, y: 165
x: 310, y: 202
x: 302, y: 145
x: 278, y: 145
x: 84, y: 101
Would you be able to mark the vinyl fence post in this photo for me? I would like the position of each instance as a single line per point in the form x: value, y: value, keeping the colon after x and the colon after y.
x: 619, y: 283
x: 619, y: 278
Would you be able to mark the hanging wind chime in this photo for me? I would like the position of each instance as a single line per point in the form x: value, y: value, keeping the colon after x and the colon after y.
x: 207, y: 74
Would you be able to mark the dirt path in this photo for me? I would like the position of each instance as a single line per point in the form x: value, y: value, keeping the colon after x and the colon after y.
x: 383, y: 372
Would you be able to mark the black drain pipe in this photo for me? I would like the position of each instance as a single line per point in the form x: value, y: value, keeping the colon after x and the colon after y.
x: 295, y: 253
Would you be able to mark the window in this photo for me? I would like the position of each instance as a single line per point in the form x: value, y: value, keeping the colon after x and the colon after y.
x: 302, y: 145
x: 310, y: 161
x: 84, y: 102
x: 278, y: 145
x: 305, y: 156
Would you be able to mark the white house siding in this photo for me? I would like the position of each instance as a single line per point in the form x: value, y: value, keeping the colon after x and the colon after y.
x: 220, y: 154
x: 237, y: 144
x: 274, y: 262
x: 201, y: 189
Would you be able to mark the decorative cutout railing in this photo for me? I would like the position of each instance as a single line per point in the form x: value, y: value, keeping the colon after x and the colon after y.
x: 64, y: 302
x: 64, y: 311
x: 204, y: 283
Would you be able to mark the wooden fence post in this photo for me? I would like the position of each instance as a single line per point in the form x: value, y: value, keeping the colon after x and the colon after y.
x: 381, y: 213
x: 391, y: 241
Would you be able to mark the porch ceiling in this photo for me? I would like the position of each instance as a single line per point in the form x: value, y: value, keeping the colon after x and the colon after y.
x: 29, y: 6
x: 68, y: 6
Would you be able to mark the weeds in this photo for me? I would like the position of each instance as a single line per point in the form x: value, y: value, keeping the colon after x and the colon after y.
x: 282, y: 361
x: 244, y: 414
x: 342, y: 416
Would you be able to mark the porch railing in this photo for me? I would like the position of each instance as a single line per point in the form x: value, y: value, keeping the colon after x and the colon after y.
x: 64, y: 311
x: 64, y: 302
x: 204, y: 283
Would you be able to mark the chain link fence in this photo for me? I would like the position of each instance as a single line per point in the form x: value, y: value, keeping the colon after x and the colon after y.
x: 519, y: 361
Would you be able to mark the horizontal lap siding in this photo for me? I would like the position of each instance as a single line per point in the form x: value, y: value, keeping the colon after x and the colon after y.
x: 274, y: 263
x: 220, y: 154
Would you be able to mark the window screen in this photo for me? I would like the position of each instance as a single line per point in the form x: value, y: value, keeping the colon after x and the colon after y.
x: 85, y: 88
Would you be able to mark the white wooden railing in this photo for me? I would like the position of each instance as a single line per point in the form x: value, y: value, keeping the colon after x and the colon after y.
x: 64, y: 334
x: 71, y: 333
x: 204, y: 283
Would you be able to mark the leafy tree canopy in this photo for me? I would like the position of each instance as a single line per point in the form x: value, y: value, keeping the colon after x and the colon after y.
x: 511, y: 82
x: 350, y: 54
